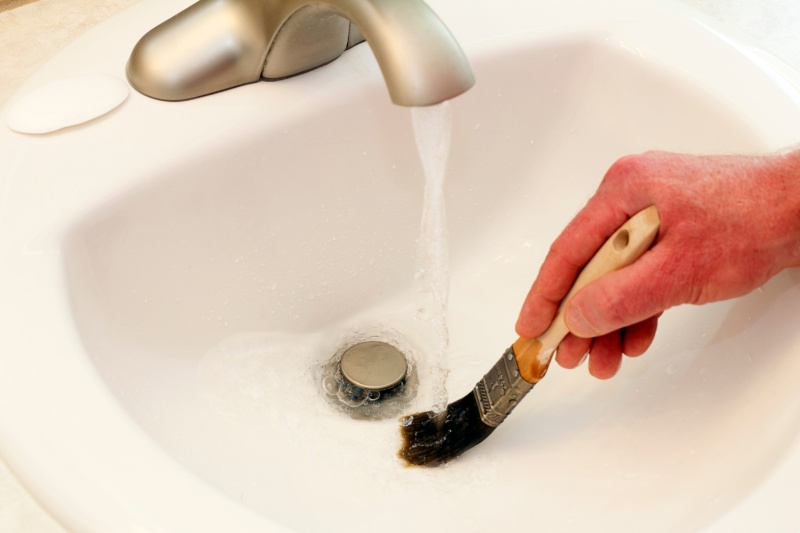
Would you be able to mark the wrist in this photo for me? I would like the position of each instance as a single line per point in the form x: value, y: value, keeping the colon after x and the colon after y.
x: 787, y: 220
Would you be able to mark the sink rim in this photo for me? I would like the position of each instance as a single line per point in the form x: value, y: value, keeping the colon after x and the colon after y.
x: 31, y: 253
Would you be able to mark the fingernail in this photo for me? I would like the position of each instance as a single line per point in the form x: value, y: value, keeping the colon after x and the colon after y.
x: 578, y: 324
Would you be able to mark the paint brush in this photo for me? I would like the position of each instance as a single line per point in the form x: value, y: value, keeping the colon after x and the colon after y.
x: 431, y: 439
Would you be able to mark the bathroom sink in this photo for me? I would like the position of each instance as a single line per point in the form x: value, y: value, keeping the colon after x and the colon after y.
x: 175, y: 274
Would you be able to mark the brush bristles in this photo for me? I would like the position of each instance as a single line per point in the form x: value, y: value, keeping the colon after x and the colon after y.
x: 431, y: 439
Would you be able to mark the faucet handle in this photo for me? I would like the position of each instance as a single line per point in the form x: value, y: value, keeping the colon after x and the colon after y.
x: 311, y: 37
x: 355, y: 37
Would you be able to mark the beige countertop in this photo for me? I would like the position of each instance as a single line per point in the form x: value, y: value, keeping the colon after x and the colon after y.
x: 31, y: 34
x: 36, y: 30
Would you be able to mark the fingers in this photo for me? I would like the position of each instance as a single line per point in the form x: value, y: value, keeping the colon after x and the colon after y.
x: 618, y: 314
x: 572, y: 351
x: 605, y: 352
x: 636, y: 339
x: 626, y: 297
x: 605, y: 356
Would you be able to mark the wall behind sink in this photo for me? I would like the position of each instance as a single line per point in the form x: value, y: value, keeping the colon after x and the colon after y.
x: 33, y: 30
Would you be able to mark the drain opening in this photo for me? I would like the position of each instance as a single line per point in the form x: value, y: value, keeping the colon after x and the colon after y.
x: 370, y: 380
x: 374, y: 366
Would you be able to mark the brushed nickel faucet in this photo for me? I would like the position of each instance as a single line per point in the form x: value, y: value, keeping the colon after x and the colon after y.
x: 218, y: 44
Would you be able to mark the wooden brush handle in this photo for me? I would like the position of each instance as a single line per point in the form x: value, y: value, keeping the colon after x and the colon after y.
x: 624, y: 247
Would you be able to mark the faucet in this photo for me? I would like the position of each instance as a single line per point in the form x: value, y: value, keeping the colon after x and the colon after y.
x: 214, y: 45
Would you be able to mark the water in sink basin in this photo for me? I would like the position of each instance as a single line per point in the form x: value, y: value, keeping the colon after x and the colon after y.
x: 167, y: 282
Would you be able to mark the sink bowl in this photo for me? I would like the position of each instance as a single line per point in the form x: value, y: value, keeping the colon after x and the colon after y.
x: 175, y: 274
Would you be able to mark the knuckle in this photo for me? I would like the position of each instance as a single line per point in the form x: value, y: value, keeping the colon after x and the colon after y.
x: 627, y: 167
x: 609, y: 308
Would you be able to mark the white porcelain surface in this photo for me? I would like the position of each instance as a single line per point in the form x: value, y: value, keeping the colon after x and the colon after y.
x: 170, y: 273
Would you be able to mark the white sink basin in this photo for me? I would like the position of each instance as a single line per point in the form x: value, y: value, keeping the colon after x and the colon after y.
x: 173, y: 273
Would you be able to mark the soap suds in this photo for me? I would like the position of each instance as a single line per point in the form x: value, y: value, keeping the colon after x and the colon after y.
x: 266, y: 381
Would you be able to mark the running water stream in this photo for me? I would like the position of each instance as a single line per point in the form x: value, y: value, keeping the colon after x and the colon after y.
x: 432, y: 131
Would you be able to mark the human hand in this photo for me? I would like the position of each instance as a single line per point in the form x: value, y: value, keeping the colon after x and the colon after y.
x: 728, y: 224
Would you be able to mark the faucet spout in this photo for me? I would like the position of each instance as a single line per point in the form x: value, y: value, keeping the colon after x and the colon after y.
x: 217, y: 44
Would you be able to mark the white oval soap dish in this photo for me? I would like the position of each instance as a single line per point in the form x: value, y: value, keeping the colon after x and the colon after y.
x: 66, y: 102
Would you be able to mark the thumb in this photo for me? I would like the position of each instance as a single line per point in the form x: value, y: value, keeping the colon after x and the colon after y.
x: 620, y: 299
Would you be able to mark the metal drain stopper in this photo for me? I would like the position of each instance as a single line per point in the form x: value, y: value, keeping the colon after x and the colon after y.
x: 373, y: 365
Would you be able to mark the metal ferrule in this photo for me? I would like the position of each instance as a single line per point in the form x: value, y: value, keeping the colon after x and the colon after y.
x: 500, y: 390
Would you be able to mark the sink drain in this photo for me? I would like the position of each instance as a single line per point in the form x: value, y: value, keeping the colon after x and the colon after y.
x: 370, y: 380
x: 373, y: 366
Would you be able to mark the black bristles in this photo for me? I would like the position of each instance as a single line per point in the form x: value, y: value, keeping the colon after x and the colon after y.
x: 431, y: 439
